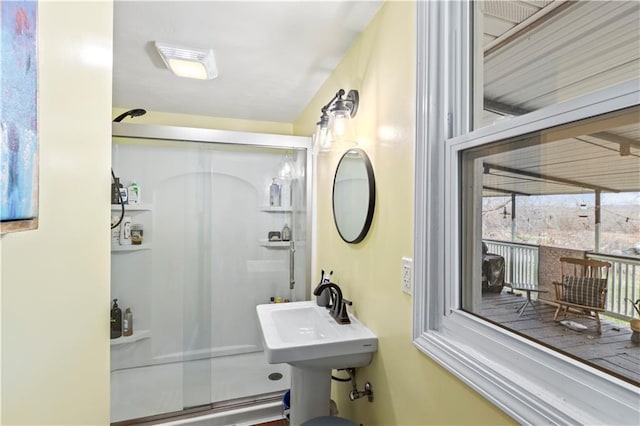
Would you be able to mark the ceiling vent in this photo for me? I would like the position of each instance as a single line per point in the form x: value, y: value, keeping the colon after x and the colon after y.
x: 187, y: 62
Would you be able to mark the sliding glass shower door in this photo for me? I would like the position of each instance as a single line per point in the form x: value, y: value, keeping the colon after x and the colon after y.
x: 218, y: 251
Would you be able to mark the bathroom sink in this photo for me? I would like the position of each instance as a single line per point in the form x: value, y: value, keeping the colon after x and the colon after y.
x: 303, y: 334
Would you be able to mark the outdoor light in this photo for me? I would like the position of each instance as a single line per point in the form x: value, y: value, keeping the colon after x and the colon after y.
x: 583, y: 213
x: 187, y: 62
x: 335, y: 128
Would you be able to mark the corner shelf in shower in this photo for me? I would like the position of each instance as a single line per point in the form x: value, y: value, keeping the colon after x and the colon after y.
x: 274, y: 209
x: 137, y: 335
x: 135, y: 209
x: 131, y: 247
x: 275, y: 244
x: 132, y: 207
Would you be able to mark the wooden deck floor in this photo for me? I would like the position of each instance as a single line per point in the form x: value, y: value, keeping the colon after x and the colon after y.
x: 612, y: 350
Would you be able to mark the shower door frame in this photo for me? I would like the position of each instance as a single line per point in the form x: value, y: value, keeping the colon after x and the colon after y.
x: 247, y: 139
x: 232, y: 137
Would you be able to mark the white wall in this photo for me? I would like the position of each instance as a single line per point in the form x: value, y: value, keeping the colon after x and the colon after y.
x: 55, y: 280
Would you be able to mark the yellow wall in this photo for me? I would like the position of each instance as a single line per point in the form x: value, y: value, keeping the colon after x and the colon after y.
x: 55, y: 280
x: 201, y: 121
x: 410, y: 388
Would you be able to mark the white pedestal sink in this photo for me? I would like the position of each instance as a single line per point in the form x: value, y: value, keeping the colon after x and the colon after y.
x: 305, y: 336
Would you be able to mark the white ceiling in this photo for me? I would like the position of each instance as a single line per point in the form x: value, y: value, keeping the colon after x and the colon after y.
x: 272, y: 56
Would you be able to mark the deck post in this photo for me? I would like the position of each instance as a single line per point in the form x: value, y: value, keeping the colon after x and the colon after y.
x: 597, y: 221
x: 513, y: 217
x: 513, y: 238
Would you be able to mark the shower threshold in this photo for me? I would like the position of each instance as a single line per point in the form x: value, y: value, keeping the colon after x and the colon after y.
x: 241, y: 411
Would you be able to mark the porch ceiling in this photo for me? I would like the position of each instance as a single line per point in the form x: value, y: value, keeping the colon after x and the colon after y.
x: 567, y: 166
x: 576, y: 48
x: 547, y: 52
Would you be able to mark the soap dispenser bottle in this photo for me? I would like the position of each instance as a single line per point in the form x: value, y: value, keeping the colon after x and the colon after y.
x: 116, y: 320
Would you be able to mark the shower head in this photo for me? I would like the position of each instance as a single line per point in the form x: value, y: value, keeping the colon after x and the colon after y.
x: 131, y: 113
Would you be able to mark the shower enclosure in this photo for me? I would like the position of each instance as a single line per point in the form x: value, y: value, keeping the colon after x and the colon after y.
x: 205, y: 262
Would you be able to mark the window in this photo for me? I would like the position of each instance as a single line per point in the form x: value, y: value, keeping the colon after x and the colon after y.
x: 529, y: 381
x: 561, y: 181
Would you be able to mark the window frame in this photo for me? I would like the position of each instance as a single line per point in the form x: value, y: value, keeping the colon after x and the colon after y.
x: 490, y: 359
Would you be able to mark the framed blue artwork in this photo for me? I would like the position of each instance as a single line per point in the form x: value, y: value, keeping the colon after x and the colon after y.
x: 18, y: 116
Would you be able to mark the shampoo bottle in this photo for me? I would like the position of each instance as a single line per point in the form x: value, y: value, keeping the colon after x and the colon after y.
x: 274, y: 194
x: 127, y: 323
x: 116, y: 320
x: 125, y: 231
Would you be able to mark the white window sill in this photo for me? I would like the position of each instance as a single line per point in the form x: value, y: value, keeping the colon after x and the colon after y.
x: 529, y: 382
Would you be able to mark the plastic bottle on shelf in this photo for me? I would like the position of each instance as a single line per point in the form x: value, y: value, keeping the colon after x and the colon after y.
x: 123, y: 195
x: 125, y: 231
x: 134, y: 193
x: 115, y: 191
x: 115, y: 232
x: 274, y: 194
x: 116, y: 320
x: 285, y: 235
x: 127, y: 323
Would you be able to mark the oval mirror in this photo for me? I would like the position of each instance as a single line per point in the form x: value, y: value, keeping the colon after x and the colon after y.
x: 354, y: 195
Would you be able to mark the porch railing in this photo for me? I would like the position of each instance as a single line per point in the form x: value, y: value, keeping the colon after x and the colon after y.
x: 520, y: 261
x: 521, y: 266
x: 624, y: 283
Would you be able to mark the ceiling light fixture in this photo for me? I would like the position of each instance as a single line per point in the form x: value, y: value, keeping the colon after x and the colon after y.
x: 335, y: 128
x: 188, y: 62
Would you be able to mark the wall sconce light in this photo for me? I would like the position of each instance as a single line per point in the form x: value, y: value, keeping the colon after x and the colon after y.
x: 186, y: 62
x: 335, y: 128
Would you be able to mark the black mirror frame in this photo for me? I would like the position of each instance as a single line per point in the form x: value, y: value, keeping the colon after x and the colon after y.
x: 372, y: 196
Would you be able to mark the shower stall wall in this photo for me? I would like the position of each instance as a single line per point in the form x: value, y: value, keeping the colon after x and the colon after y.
x: 205, y: 262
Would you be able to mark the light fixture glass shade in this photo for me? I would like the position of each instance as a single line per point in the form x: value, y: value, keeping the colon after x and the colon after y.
x: 341, y: 132
x: 187, y: 62
x: 319, y: 138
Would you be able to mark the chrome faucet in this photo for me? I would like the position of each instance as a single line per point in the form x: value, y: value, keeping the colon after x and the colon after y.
x: 338, y: 309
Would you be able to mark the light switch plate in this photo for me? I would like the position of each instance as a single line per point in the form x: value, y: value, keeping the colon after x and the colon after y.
x: 407, y: 275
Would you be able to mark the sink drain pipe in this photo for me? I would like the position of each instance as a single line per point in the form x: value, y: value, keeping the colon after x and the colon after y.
x: 355, y: 393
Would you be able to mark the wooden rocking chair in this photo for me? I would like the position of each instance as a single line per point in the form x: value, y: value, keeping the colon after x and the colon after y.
x: 583, y: 289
